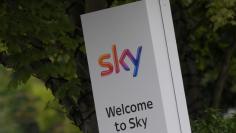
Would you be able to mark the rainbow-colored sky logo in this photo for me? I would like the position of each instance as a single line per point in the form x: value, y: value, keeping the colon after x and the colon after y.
x: 104, y: 61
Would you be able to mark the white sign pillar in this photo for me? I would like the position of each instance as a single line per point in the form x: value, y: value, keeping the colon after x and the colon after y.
x: 135, y: 70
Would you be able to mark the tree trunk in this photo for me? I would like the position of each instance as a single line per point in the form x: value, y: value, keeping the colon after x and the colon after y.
x: 87, y: 121
x: 222, y: 76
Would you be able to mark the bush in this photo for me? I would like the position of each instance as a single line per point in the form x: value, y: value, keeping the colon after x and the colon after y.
x: 214, y: 122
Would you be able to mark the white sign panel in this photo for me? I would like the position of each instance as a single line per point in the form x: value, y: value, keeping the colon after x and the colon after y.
x: 134, y: 68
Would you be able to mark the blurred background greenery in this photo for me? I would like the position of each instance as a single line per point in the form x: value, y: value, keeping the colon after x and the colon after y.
x: 31, y: 108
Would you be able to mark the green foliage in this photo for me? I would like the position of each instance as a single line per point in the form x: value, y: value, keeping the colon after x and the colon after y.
x: 214, y: 122
x: 33, y: 31
x: 3, y: 47
x: 27, y: 109
x: 37, y: 38
x: 222, y: 12
x: 206, y: 33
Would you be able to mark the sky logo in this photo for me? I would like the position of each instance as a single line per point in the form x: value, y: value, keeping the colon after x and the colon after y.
x: 119, y: 61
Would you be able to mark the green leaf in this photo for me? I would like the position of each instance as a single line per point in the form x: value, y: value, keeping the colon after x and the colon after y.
x: 19, y: 77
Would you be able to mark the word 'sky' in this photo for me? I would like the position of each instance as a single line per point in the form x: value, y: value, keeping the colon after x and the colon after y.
x: 115, y: 65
